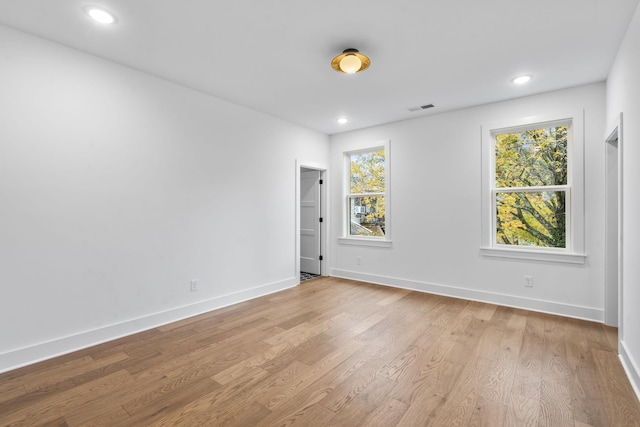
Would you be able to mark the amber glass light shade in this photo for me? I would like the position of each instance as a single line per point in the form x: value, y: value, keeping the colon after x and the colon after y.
x: 350, y: 62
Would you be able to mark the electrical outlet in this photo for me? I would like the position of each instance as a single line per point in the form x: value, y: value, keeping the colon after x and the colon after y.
x: 358, y: 260
x: 528, y: 281
x: 194, y: 285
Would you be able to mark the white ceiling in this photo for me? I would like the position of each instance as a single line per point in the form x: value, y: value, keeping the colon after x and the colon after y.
x: 274, y: 55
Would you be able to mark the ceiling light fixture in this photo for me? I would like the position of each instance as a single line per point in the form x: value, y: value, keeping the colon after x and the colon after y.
x: 100, y: 15
x: 521, y: 80
x: 342, y: 120
x: 350, y: 61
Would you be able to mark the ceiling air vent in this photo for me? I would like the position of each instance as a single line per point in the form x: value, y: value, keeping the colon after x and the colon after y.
x: 421, y: 107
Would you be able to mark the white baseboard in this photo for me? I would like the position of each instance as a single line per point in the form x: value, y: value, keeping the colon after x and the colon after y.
x: 630, y: 367
x: 567, y: 310
x: 38, y: 352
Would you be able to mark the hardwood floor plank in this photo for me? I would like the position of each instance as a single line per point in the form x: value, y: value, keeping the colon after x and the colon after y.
x: 421, y: 377
x: 70, y: 377
x: 587, y: 397
x: 489, y: 342
x: 317, y: 391
x: 611, y: 336
x: 315, y: 415
x: 532, y: 347
x: 61, y: 404
x: 401, y: 364
x: 486, y: 311
x: 460, y: 403
x: 167, y: 399
x: 297, y: 334
x: 205, y: 412
x: 488, y: 413
x: 58, y: 422
x: 297, y: 320
x: 10, y: 392
x: 148, y: 397
x: 320, y: 342
x: 599, y: 336
x: 223, y: 403
x: 527, y: 385
x: 499, y: 383
x: 217, y: 357
x: 516, y: 324
x: 522, y: 411
x: 361, y: 327
x: 577, y: 344
x: 502, y: 313
x: 337, y: 352
x: 450, y: 310
x: 418, y: 301
x: 441, y: 371
x: 280, y: 393
x: 398, y: 294
x: 556, y: 408
x: 345, y: 392
x: 28, y: 376
x: 143, y: 341
x: 107, y: 418
x: 389, y: 362
x: 555, y: 404
x: 131, y: 388
x: 388, y: 413
x: 364, y: 403
x: 241, y: 368
x: 418, y: 413
x: 618, y: 399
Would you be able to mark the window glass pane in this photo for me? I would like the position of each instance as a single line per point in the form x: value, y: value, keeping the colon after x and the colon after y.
x: 532, y: 158
x: 366, y: 216
x: 367, y: 172
x: 531, y: 219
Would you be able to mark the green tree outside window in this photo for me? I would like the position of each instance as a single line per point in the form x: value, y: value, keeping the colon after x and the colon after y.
x: 526, y: 164
x: 366, y: 194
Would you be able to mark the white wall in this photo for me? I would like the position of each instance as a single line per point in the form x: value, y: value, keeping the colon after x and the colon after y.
x: 435, y: 211
x: 623, y: 95
x: 118, y: 188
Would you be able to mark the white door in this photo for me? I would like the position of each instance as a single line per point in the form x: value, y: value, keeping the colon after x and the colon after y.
x: 310, y: 222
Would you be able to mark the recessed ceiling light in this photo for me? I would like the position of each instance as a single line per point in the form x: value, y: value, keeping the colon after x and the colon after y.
x: 342, y: 120
x: 520, y: 80
x: 100, y: 15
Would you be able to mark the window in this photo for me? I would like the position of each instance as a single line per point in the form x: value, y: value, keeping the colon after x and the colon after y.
x: 533, y: 184
x: 530, y: 187
x: 367, y: 196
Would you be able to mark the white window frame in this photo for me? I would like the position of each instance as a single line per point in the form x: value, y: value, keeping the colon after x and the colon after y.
x: 574, y: 251
x: 366, y: 240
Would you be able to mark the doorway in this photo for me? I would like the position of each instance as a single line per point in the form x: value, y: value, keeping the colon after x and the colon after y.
x: 613, y: 226
x: 311, y: 222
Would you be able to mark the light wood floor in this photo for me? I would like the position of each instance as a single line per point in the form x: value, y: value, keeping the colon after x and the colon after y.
x: 334, y: 352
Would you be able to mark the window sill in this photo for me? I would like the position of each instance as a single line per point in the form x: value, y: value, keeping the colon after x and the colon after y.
x: 529, y: 254
x: 363, y: 241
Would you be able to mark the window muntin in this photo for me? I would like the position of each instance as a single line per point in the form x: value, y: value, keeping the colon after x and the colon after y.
x: 530, y: 188
x: 366, y: 197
